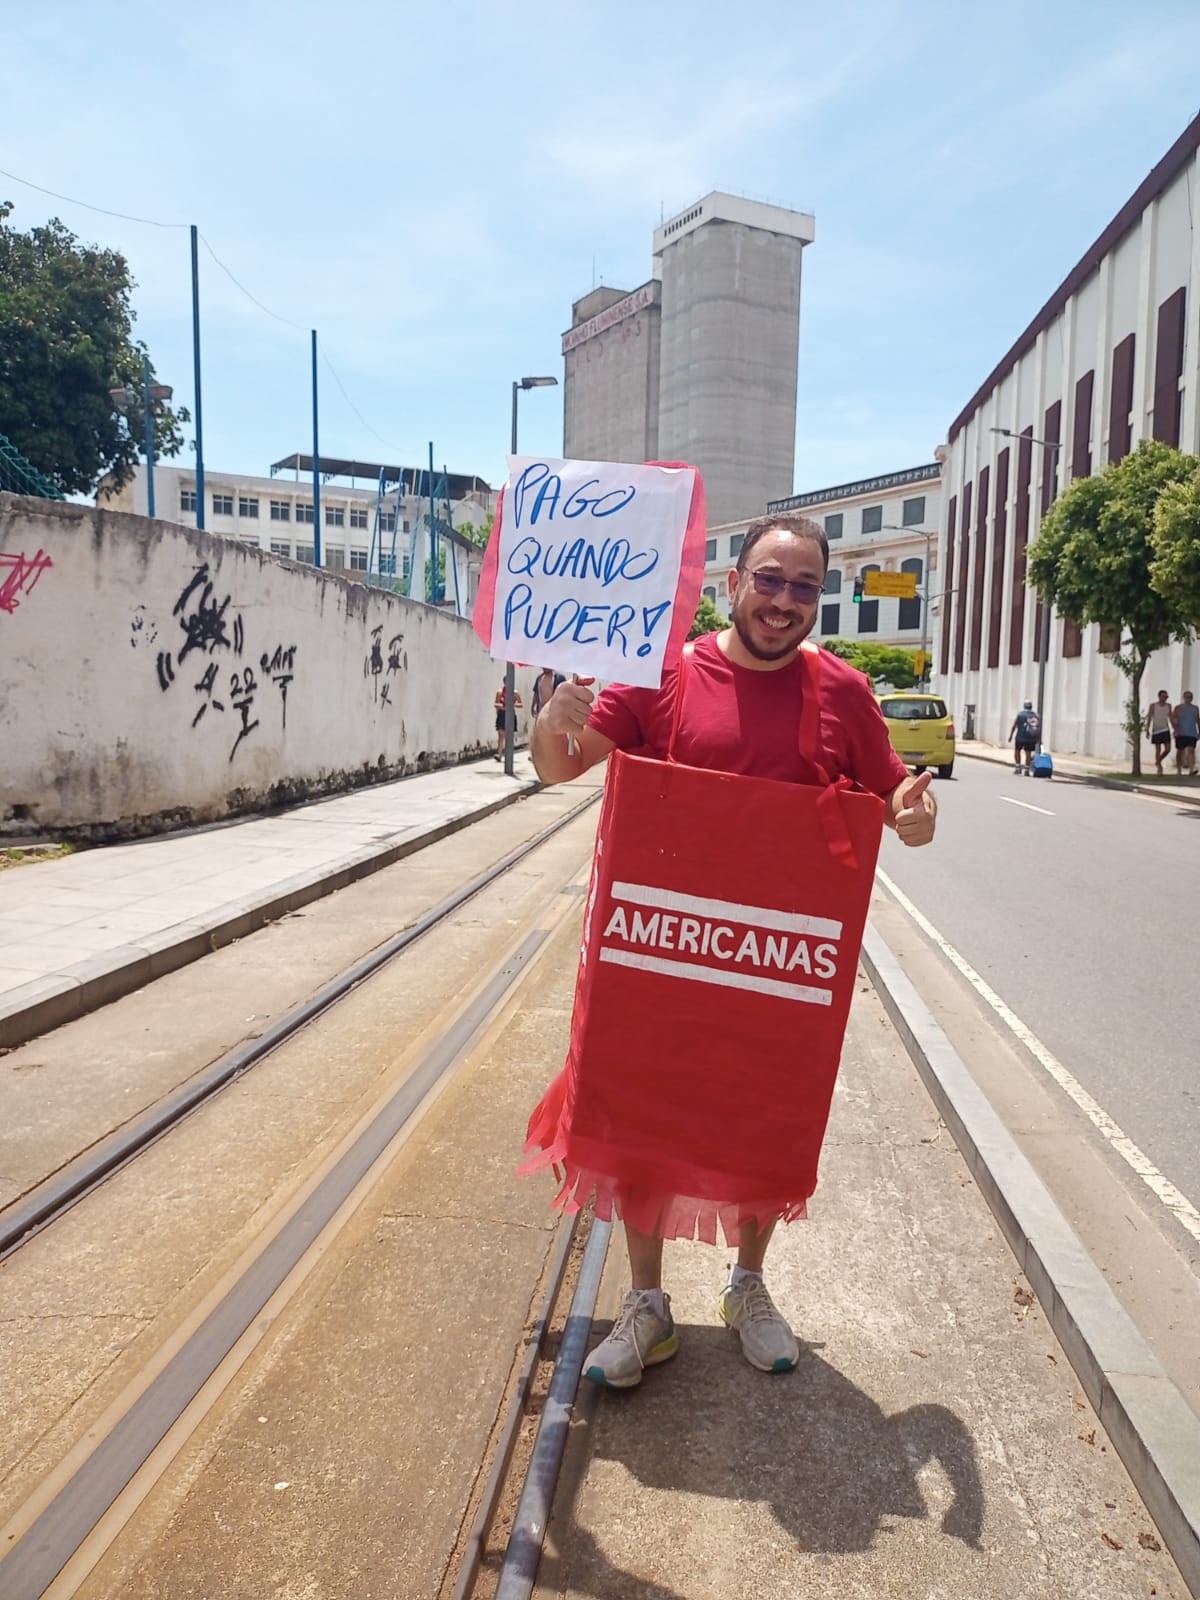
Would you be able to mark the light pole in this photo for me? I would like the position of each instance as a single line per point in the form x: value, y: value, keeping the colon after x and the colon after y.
x: 1054, y: 446
x: 126, y: 400
x: 510, y: 671
x: 895, y: 527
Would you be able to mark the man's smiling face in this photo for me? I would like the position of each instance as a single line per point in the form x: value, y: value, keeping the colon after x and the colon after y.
x: 772, y: 625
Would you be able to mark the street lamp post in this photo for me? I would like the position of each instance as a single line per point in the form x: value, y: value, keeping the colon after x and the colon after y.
x: 1054, y: 446
x: 510, y: 671
x: 126, y: 401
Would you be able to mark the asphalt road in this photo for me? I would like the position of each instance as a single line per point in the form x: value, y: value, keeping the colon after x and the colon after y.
x: 1086, y: 922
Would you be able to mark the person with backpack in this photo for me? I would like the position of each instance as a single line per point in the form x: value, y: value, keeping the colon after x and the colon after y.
x: 1025, y: 731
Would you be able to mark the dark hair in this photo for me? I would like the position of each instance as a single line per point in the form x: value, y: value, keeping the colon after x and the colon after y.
x: 787, y: 522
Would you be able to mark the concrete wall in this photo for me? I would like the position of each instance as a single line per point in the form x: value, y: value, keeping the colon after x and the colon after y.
x: 730, y: 338
x: 610, y: 384
x: 153, y: 676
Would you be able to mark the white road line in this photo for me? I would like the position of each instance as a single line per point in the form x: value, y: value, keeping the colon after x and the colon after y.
x: 1161, y: 1187
x: 1024, y: 804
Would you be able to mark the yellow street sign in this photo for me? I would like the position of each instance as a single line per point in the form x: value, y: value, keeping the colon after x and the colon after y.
x: 891, y: 585
x: 919, y: 659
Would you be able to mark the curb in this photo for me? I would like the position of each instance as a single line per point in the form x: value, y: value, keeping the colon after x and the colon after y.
x: 1118, y: 785
x: 45, y: 1003
x: 1154, y: 1429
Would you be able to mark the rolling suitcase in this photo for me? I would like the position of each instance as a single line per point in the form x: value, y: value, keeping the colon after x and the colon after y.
x: 1042, y: 766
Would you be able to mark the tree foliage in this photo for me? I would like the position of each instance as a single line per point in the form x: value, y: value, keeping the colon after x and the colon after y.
x: 477, y: 533
x: 882, y: 663
x: 66, y: 339
x: 1175, y: 569
x: 1095, y: 556
x: 707, y: 619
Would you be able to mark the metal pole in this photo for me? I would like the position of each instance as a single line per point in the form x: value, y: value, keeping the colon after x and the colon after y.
x: 196, y: 368
x: 316, y: 462
x: 433, y: 538
x: 510, y: 672
x: 149, y: 421
x: 925, y: 600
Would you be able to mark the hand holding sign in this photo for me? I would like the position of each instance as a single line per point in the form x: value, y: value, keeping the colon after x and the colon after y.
x: 593, y: 567
x: 568, y: 707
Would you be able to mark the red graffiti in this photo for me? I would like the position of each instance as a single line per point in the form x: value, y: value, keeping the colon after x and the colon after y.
x: 18, y: 575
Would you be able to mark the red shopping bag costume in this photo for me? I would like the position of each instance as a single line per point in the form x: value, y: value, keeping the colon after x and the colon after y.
x: 707, y: 1031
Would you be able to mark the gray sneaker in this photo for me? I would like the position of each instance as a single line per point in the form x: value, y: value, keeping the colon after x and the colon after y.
x: 767, y: 1341
x: 640, y: 1338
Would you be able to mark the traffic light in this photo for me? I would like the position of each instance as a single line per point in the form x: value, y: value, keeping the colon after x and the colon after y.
x: 858, y: 590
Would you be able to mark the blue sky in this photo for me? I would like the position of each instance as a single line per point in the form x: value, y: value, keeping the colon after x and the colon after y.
x: 431, y: 186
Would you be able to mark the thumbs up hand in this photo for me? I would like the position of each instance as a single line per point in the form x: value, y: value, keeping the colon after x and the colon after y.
x: 915, y: 810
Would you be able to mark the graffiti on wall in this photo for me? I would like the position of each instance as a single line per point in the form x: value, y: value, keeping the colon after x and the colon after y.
x: 215, y: 634
x: 19, y: 574
x: 377, y: 670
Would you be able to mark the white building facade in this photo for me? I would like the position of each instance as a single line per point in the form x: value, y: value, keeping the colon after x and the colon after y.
x: 885, y: 524
x: 364, y: 534
x: 1112, y: 358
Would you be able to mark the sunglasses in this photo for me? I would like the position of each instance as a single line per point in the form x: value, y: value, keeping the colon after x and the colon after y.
x: 772, y: 586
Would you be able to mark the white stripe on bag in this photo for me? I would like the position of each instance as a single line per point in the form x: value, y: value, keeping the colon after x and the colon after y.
x: 639, y: 894
x: 726, y: 980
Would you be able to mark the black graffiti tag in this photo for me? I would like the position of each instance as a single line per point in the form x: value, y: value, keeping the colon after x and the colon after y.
x: 280, y: 668
x: 242, y: 687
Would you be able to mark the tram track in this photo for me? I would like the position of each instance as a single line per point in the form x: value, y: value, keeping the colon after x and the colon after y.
x: 56, y: 1537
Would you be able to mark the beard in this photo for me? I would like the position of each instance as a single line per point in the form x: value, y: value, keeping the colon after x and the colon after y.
x: 743, y: 619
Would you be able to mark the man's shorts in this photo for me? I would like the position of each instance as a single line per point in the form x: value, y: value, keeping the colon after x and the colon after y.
x: 499, y: 722
x: 1161, y: 738
x: 1185, y: 741
x: 1026, y: 744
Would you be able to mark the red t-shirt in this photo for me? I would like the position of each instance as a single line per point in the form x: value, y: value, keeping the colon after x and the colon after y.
x: 738, y: 720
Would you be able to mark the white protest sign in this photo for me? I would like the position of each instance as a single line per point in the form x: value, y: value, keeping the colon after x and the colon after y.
x: 588, y: 567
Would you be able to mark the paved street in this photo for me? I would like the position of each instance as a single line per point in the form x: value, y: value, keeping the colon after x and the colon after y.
x: 1079, y: 907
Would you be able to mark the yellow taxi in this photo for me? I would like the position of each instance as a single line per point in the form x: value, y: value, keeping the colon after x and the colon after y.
x: 920, y: 729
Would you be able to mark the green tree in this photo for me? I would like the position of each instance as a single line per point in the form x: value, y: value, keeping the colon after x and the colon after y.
x: 1175, y: 569
x: 66, y: 339
x: 1094, y: 555
x: 707, y: 619
x: 882, y: 663
x: 477, y: 533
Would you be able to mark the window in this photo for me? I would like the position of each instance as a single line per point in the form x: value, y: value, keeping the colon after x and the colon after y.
x: 909, y: 611
x: 710, y: 550
x: 246, y: 507
x: 335, y: 516
x: 833, y: 581
x: 387, y: 522
x: 387, y: 566
x: 281, y: 511
x: 222, y: 505
x: 305, y: 552
x: 711, y: 594
x: 872, y: 519
x: 868, y: 610
x: 735, y: 545
x: 833, y: 526
x: 187, y: 499
x: 405, y: 528
x: 358, y: 560
x: 281, y: 548
x: 924, y: 709
x: 304, y: 511
x: 914, y: 511
x: 333, y: 556
x: 829, y: 619
x: 358, y: 516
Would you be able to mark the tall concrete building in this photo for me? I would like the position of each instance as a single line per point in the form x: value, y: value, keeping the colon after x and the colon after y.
x: 699, y: 364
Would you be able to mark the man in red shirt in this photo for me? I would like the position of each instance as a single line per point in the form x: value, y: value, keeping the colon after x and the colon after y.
x: 740, y: 715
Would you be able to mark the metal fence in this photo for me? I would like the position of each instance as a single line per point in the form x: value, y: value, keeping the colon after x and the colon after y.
x: 19, y: 476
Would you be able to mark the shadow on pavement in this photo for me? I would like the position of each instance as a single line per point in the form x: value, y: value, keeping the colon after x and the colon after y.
x: 830, y: 1463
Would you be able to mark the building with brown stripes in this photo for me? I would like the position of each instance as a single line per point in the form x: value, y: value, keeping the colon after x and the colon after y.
x: 1113, y: 357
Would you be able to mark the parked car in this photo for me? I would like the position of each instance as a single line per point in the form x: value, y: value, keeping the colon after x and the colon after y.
x: 920, y: 729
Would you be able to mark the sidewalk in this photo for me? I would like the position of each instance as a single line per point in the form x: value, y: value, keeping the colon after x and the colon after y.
x: 1093, y: 770
x: 79, y: 931
x: 934, y: 1440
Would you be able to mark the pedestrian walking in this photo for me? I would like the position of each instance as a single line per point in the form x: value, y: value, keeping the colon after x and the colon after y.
x: 1025, y: 733
x: 1187, y: 730
x: 500, y: 702
x: 1159, y: 725
x: 739, y: 712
